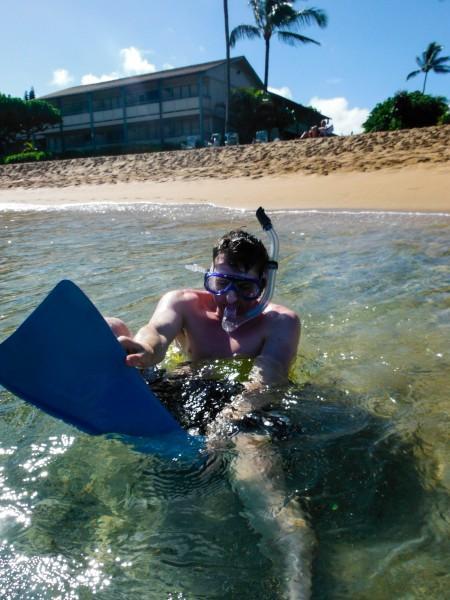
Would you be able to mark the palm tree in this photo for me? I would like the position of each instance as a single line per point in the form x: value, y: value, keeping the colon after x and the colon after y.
x: 227, y: 79
x: 429, y: 61
x: 281, y: 17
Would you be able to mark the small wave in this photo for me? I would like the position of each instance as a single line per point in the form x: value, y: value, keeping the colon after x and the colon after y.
x: 331, y: 211
x: 84, y: 207
x: 100, y: 206
x: 97, y: 206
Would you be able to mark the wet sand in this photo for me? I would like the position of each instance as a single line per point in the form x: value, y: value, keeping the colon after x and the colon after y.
x: 398, y: 171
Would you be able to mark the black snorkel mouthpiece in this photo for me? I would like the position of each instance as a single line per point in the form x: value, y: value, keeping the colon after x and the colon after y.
x: 267, y: 226
x: 263, y: 219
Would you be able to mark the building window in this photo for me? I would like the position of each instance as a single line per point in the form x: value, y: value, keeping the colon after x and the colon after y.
x: 181, y: 127
x: 152, y: 96
x: 143, y: 132
x: 110, y: 135
x: 132, y: 99
x: 177, y: 92
x: 168, y: 93
x: 107, y: 103
x: 74, y: 106
x: 188, y: 91
x: 142, y: 97
x: 77, y: 140
x: 54, y: 144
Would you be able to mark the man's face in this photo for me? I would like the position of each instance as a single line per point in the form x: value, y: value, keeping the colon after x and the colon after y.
x: 221, y: 265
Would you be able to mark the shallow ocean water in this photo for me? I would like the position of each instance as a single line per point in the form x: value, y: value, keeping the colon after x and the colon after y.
x: 82, y: 516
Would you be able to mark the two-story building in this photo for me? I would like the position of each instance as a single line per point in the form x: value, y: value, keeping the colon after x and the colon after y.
x: 159, y: 109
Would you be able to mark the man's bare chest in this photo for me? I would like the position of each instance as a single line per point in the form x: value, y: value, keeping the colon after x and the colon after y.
x: 204, y: 338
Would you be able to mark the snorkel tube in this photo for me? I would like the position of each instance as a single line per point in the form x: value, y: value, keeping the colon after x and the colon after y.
x: 231, y: 321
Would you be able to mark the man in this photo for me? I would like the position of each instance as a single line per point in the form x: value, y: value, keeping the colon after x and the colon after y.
x: 221, y: 322
x: 194, y: 318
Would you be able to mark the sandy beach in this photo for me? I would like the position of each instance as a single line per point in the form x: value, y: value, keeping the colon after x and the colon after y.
x: 407, y: 170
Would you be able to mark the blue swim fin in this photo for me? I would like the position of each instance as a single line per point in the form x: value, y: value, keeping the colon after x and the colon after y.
x: 65, y: 360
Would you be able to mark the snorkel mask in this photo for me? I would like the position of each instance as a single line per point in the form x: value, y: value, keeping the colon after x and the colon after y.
x: 248, y: 287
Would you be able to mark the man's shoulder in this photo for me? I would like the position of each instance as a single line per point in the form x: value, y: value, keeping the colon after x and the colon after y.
x: 183, y: 296
x: 185, y: 293
x: 279, y: 310
x: 279, y: 315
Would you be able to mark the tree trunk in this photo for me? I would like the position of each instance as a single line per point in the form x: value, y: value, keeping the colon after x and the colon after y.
x: 424, y: 82
x: 266, y: 66
x: 227, y: 79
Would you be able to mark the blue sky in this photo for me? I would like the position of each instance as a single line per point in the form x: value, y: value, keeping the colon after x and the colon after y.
x: 366, y: 51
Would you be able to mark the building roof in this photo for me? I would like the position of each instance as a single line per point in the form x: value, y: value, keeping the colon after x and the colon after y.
x: 136, y: 79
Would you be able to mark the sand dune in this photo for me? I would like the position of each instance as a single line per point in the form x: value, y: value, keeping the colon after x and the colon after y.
x: 415, y: 161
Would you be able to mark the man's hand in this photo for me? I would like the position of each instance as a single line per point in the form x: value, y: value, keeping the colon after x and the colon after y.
x: 138, y: 354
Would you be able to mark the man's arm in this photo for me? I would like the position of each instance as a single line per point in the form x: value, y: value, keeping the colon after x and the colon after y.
x: 150, y: 344
x: 271, y: 366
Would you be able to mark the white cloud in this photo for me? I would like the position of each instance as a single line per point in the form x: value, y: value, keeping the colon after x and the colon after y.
x: 61, y: 77
x: 89, y: 78
x: 345, y: 120
x: 133, y: 63
x: 282, y: 91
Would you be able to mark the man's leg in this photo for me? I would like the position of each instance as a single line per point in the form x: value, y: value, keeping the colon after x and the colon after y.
x: 259, y: 481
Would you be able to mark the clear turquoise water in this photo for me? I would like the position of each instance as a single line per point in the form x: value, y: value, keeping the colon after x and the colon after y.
x: 83, y: 517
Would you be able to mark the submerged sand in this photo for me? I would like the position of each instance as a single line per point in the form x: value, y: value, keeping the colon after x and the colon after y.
x: 407, y: 170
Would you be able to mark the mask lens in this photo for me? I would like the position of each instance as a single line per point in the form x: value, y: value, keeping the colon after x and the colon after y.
x: 217, y: 284
x: 248, y: 289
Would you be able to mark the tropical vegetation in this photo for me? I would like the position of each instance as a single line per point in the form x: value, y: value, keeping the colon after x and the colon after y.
x: 278, y: 17
x: 30, y: 156
x: 406, y: 110
x: 431, y: 61
x: 253, y: 109
x: 21, y: 119
x: 29, y: 95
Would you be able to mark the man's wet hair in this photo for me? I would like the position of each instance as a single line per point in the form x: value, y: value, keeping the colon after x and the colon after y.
x: 242, y: 250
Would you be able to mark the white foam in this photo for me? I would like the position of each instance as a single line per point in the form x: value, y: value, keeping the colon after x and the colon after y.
x: 94, y: 206
x: 98, y: 206
x: 331, y: 211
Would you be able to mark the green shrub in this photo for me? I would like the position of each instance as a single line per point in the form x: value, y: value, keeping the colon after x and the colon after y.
x: 445, y: 119
x: 33, y: 156
x: 406, y: 110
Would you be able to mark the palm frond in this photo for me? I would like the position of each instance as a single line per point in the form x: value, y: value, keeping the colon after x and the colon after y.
x: 441, y: 60
x: 278, y: 16
x: 258, y: 8
x: 441, y: 69
x: 419, y: 60
x: 413, y: 74
x: 281, y: 15
x: 430, y: 53
x: 292, y: 39
x: 309, y: 16
x: 242, y: 32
